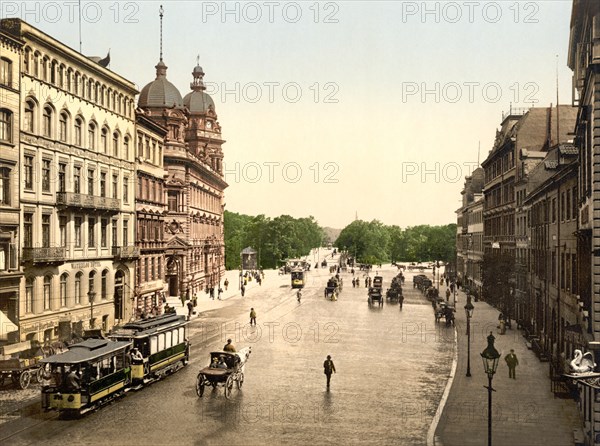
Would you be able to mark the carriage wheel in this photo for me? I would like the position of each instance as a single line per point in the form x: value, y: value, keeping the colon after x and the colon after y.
x: 200, y: 384
x: 39, y: 375
x: 24, y: 379
x: 240, y: 380
x: 228, y: 386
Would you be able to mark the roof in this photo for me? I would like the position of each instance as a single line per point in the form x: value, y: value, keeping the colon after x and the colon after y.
x: 86, y: 351
x: 160, y: 92
x: 143, y: 328
x: 198, y: 102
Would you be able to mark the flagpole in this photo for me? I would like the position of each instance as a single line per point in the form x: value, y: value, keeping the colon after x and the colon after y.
x: 79, y: 26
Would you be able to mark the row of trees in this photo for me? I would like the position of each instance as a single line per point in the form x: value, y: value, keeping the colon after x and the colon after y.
x: 373, y: 242
x: 274, y: 239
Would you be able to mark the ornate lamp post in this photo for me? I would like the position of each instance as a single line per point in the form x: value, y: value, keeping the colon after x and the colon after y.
x: 469, y: 312
x: 91, y: 297
x: 490, y: 357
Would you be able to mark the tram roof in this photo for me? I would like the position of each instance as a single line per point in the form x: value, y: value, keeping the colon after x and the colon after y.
x: 146, y: 327
x: 87, y: 350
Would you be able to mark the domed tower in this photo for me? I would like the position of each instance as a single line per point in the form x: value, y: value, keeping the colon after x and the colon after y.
x: 204, y: 132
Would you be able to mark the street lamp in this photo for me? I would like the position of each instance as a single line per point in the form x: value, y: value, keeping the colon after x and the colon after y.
x: 490, y: 358
x: 91, y: 297
x: 469, y: 312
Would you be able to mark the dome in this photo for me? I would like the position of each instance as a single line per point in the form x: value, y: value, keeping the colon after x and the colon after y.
x: 198, y: 102
x: 160, y: 92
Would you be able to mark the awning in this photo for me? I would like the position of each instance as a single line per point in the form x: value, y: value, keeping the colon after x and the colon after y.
x: 6, y: 326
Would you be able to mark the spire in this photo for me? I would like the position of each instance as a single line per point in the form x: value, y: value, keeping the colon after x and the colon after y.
x: 161, y: 67
x: 161, y: 13
x: 197, y: 83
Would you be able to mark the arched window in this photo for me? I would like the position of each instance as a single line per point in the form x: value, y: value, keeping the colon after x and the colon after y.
x: 47, y: 122
x: 27, y: 61
x: 104, y: 140
x: 104, y: 284
x: 44, y: 68
x: 36, y: 64
x: 62, y: 126
x: 78, y: 132
x: 28, y: 119
x: 6, y: 72
x: 77, y: 290
x: 69, y: 79
x: 63, y: 290
x: 92, y: 136
x: 126, y: 148
x: 91, y: 285
x: 115, y: 144
x: 5, y: 125
x: 29, y: 295
x: 47, y: 291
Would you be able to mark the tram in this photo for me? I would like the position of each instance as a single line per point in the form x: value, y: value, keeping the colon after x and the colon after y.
x: 162, y: 342
x: 297, y: 278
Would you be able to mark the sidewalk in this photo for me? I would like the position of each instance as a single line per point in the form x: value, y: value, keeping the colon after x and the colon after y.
x: 524, y: 412
x: 205, y: 303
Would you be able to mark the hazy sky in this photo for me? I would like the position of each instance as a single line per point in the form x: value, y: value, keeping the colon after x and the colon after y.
x: 334, y: 109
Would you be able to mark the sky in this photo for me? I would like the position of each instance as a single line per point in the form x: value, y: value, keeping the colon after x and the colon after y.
x: 345, y: 109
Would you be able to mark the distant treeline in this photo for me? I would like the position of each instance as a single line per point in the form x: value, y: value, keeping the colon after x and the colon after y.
x: 373, y: 242
x: 274, y: 239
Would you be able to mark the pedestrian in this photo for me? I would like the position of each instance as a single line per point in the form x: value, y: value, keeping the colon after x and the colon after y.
x: 512, y: 362
x: 243, y: 290
x: 212, y: 292
x: 190, y: 306
x: 328, y: 369
x: 219, y: 293
x: 447, y: 294
x: 252, y: 317
x: 226, y: 283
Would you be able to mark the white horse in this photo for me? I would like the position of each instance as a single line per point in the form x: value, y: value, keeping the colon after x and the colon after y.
x: 244, y: 354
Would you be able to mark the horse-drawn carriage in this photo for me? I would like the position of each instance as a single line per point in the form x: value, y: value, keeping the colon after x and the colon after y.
x: 21, y: 362
x: 446, y: 311
x: 376, y: 291
x: 333, y: 288
x: 225, y: 369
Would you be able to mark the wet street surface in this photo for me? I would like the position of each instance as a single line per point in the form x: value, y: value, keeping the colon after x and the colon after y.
x: 392, y: 366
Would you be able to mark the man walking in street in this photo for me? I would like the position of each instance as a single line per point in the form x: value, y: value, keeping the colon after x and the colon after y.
x: 252, y: 317
x: 512, y: 362
x: 329, y: 368
x: 190, y: 306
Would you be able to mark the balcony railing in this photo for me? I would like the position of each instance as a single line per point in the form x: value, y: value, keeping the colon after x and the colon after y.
x: 72, y: 199
x: 45, y: 255
x: 126, y: 252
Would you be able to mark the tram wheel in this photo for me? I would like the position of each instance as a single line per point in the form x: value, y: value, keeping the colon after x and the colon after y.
x: 228, y: 386
x: 39, y: 375
x: 200, y: 384
x: 24, y: 379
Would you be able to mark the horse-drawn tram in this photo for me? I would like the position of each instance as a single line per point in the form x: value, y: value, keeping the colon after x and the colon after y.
x: 225, y: 369
x: 86, y: 376
x: 160, y: 346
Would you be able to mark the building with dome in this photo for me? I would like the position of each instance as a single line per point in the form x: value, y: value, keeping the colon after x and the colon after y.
x: 193, y: 161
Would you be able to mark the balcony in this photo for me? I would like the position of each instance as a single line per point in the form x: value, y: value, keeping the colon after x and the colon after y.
x: 45, y: 255
x: 125, y: 252
x: 84, y: 201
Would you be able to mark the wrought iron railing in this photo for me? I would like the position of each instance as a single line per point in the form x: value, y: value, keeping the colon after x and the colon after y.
x: 42, y: 255
x: 87, y: 201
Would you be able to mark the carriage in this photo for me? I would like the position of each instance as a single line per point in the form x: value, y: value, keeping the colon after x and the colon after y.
x: 21, y: 363
x: 333, y: 288
x: 376, y: 291
x: 225, y: 377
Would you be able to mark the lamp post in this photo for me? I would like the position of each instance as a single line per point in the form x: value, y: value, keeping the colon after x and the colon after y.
x: 469, y: 312
x: 91, y: 297
x: 490, y: 358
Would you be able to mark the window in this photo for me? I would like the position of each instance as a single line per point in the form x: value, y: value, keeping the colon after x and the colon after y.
x: 77, y: 179
x: 126, y: 148
x: 6, y: 72
x: 173, y: 205
x: 28, y: 230
x: 78, y: 134
x: 103, y: 184
x: 114, y: 233
x: 115, y: 144
x: 115, y: 186
x: 568, y: 204
x: 77, y: 229
x: 28, y: 118
x: 63, y: 290
x: 62, y: 127
x: 46, y: 175
x: 47, y: 122
x: 28, y: 165
x: 125, y: 233
x: 62, y: 226
x: 4, y: 186
x: 5, y: 126
x: 46, y: 231
x: 574, y: 211
x: 103, y: 284
x: 92, y: 136
x: 90, y: 181
x: 77, y: 290
x: 29, y: 295
x: 103, y: 233
x: 91, y: 287
x: 91, y: 232
x: 47, y: 292
x: 126, y: 190
x: 62, y: 177
x: 104, y: 140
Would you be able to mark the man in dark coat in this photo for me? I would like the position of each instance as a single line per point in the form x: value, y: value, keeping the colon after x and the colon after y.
x: 512, y: 362
x: 328, y: 369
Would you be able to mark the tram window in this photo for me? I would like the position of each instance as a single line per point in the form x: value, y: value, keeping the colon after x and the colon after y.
x: 153, y: 345
x: 167, y: 339
x: 161, y: 342
x: 175, y: 337
x: 119, y: 361
x: 182, y: 333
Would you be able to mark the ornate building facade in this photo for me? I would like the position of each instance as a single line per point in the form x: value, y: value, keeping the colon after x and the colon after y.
x: 76, y: 189
x: 194, y: 185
